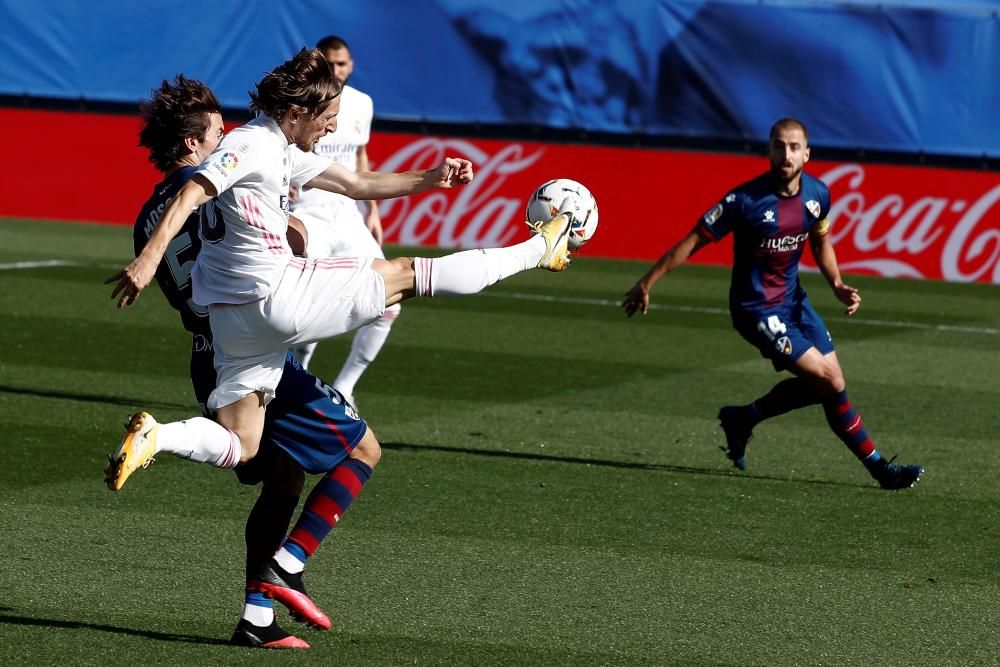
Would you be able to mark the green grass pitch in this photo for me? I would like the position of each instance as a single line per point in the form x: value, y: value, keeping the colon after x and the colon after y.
x: 551, y: 490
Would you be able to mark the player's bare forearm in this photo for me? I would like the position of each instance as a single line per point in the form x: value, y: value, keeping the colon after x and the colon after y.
x: 371, y: 185
x: 677, y: 255
x: 637, y: 298
x: 131, y: 280
x: 378, y: 185
x: 826, y: 260
x: 193, y: 194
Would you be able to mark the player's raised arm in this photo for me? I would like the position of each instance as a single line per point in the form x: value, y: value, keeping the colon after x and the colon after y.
x: 826, y: 260
x: 132, y: 279
x: 637, y: 298
x: 380, y: 185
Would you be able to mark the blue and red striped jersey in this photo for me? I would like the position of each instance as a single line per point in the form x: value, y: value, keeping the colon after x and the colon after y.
x: 770, y: 232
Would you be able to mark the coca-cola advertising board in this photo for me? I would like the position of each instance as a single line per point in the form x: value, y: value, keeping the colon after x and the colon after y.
x: 893, y: 221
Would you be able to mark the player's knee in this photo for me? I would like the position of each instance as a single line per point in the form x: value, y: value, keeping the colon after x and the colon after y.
x: 837, y: 382
x: 248, y: 449
x: 248, y: 437
x: 830, y: 381
x: 368, y: 450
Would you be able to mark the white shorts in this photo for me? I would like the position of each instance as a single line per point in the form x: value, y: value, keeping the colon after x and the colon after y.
x: 342, y: 235
x: 314, y: 300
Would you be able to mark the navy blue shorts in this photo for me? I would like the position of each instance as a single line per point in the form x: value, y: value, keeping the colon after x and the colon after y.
x: 783, y: 333
x: 308, y: 419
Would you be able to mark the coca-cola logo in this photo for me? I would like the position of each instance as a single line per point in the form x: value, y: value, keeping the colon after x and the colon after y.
x: 473, y: 216
x: 897, y: 235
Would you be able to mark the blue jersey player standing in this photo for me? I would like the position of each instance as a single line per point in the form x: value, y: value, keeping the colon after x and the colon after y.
x: 772, y: 218
x: 309, y: 427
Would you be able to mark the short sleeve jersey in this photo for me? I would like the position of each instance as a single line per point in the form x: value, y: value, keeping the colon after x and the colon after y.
x: 244, y: 249
x: 354, y: 124
x: 770, y: 233
x: 174, y: 272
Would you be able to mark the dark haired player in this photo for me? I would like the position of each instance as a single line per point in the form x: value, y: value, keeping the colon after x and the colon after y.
x: 772, y: 218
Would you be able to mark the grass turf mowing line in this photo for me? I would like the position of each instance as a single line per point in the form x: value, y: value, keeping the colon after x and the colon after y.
x: 591, y: 521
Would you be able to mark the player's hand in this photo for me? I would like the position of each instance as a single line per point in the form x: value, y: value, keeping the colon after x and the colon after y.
x: 849, y: 296
x: 636, y: 300
x: 453, y: 171
x: 131, y: 280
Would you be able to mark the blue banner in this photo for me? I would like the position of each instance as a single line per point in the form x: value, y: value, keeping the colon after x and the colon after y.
x: 891, y: 75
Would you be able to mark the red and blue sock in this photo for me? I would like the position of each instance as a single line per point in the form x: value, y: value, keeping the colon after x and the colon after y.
x: 324, y: 508
x: 849, y: 427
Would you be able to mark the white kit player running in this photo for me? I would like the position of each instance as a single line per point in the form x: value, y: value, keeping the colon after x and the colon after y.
x: 339, y: 226
x: 263, y: 300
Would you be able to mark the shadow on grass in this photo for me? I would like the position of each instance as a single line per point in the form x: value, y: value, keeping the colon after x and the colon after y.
x: 81, y: 625
x: 93, y: 398
x: 607, y: 463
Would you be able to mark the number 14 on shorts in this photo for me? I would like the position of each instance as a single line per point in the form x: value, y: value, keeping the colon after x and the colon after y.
x: 775, y: 330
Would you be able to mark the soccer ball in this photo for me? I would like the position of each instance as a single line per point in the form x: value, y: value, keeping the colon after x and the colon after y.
x: 545, y: 203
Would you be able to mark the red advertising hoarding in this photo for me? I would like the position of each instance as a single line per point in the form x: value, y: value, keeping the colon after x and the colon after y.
x: 888, y: 220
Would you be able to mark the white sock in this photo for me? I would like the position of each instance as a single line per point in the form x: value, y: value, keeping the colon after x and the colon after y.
x: 288, y: 562
x: 367, y: 343
x: 199, y: 439
x: 472, y: 271
x: 259, y: 616
x: 304, y: 353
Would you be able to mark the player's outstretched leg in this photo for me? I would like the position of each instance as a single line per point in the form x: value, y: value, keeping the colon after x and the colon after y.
x: 472, y: 271
x: 271, y: 636
x: 196, y: 439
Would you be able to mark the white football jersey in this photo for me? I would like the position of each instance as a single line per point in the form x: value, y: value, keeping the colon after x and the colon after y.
x: 354, y: 124
x: 244, y: 250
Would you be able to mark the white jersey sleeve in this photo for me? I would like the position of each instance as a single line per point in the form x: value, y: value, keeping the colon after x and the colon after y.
x: 307, y: 166
x: 231, y: 164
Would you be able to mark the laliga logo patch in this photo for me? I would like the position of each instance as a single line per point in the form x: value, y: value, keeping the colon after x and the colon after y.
x: 713, y: 216
x: 813, y: 207
x: 783, y: 345
x: 229, y: 161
